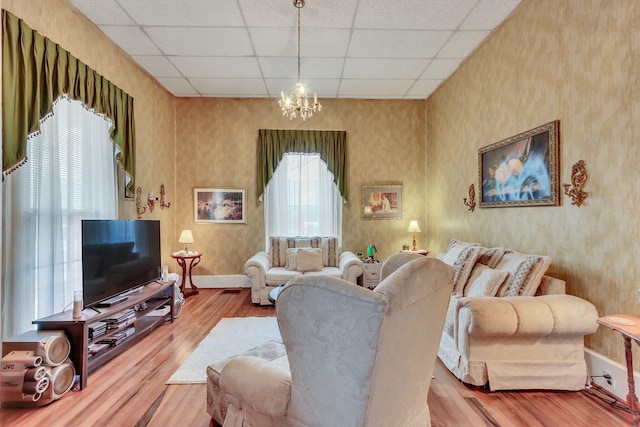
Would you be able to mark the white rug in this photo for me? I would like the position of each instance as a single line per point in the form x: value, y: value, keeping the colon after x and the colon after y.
x: 230, y: 337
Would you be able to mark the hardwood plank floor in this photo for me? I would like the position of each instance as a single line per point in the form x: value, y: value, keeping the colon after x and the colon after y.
x: 131, y: 391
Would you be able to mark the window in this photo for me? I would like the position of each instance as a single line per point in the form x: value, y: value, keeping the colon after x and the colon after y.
x: 70, y: 175
x: 302, y: 199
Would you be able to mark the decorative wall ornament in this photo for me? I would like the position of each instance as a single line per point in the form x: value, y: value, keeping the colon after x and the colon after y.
x: 139, y: 208
x: 153, y: 200
x: 579, y: 176
x: 470, y: 202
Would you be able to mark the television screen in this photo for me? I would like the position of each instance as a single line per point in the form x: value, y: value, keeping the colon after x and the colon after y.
x: 118, y: 256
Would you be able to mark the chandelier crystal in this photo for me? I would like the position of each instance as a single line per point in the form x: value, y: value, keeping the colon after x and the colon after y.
x: 297, y: 103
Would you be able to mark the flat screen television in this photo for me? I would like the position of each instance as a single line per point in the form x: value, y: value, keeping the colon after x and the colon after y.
x: 118, y: 256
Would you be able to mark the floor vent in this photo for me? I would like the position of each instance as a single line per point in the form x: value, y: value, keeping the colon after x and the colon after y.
x: 232, y: 291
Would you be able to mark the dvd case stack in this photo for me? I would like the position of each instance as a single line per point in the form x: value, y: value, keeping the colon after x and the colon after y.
x: 121, y: 319
x: 96, y: 330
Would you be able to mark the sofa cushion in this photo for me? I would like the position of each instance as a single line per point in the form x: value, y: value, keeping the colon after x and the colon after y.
x: 309, y: 260
x: 280, y: 275
x: 292, y: 259
x: 484, y: 281
x: 326, y: 271
x: 462, y: 258
x: 526, y: 273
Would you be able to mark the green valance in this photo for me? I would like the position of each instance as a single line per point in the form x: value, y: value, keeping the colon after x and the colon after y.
x: 273, y: 144
x: 36, y: 72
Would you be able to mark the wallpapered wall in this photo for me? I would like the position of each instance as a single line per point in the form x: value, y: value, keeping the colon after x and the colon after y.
x: 153, y: 106
x: 217, y: 148
x: 576, y: 61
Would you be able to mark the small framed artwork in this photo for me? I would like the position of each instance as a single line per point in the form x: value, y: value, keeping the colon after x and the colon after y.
x: 221, y: 205
x: 382, y: 202
x: 521, y: 170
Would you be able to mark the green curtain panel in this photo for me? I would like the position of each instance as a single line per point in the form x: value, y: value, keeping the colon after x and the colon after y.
x: 36, y: 72
x: 273, y: 144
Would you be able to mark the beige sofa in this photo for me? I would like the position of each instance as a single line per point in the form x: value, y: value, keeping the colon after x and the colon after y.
x: 354, y: 357
x: 511, y: 326
x: 290, y: 257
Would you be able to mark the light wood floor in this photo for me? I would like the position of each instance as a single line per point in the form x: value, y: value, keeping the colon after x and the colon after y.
x: 131, y: 390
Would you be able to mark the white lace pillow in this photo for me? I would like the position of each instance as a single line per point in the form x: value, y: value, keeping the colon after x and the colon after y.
x: 485, y: 281
x: 526, y: 273
x: 310, y: 260
x: 462, y: 258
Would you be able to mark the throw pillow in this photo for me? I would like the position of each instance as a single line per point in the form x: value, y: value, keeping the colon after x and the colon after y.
x: 330, y: 251
x: 485, y: 281
x: 462, y: 258
x: 491, y: 256
x: 309, y: 260
x: 292, y: 259
x: 526, y: 273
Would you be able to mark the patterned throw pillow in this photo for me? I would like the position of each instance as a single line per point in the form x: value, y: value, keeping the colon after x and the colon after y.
x: 491, y: 256
x: 526, y: 273
x: 462, y: 259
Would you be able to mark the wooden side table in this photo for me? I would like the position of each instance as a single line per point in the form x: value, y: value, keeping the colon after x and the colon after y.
x: 417, y: 251
x: 629, y: 327
x: 186, y: 261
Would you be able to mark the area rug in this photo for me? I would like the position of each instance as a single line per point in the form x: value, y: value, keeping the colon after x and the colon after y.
x: 230, y: 337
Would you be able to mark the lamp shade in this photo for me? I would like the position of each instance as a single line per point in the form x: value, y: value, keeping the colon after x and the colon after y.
x: 186, y: 237
x: 413, y: 227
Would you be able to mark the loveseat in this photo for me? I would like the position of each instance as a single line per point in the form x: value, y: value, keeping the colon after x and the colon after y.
x: 509, y: 325
x: 290, y: 257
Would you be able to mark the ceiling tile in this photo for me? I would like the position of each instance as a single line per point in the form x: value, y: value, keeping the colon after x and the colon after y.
x: 325, y: 88
x: 412, y: 14
x: 183, y: 13
x: 254, y: 88
x: 441, y: 68
x: 488, y: 14
x: 313, y: 42
x: 423, y: 88
x: 315, y: 13
x: 103, y: 12
x: 177, y: 86
x: 330, y: 68
x: 217, y: 67
x: 373, y: 88
x: 134, y: 40
x: 397, y: 43
x: 198, y: 41
x: 462, y: 43
x: 158, y: 66
x: 368, y: 68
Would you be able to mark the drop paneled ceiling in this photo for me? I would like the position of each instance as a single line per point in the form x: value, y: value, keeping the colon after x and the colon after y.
x: 372, y: 49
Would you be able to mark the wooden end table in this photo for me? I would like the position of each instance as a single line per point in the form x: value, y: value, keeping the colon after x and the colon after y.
x: 629, y: 327
x: 186, y: 261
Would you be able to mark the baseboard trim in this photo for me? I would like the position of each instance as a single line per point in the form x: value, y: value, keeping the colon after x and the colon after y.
x: 597, y: 364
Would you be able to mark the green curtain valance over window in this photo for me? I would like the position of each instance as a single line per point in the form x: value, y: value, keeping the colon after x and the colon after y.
x: 273, y: 144
x: 36, y: 72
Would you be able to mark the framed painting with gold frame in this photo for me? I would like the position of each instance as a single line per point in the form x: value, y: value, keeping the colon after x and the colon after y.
x: 222, y: 205
x: 382, y: 202
x: 521, y: 170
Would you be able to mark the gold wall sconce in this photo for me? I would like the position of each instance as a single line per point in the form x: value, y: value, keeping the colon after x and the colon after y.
x: 139, y: 208
x: 579, y: 176
x: 470, y: 202
x: 153, y: 200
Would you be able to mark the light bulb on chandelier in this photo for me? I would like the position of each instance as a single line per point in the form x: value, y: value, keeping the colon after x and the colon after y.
x: 297, y: 103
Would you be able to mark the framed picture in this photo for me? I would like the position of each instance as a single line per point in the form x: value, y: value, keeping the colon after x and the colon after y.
x: 522, y: 170
x: 382, y: 202
x: 225, y: 205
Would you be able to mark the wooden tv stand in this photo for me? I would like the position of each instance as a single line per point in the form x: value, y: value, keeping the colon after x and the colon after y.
x: 154, y: 294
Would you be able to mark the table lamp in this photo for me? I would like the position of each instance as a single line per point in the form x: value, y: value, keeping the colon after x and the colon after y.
x: 186, y: 237
x: 414, y: 228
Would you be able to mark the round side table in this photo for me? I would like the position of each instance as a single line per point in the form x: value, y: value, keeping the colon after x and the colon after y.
x: 186, y: 261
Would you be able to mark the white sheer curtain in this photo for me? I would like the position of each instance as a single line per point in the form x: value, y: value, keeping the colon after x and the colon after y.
x: 302, y: 200
x: 70, y: 175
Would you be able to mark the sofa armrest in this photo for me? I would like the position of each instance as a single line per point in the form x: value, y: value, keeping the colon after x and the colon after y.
x: 253, y: 382
x: 543, y: 315
x: 350, y: 266
x: 256, y: 268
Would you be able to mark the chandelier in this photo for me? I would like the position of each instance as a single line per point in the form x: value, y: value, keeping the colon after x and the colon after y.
x: 297, y: 104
